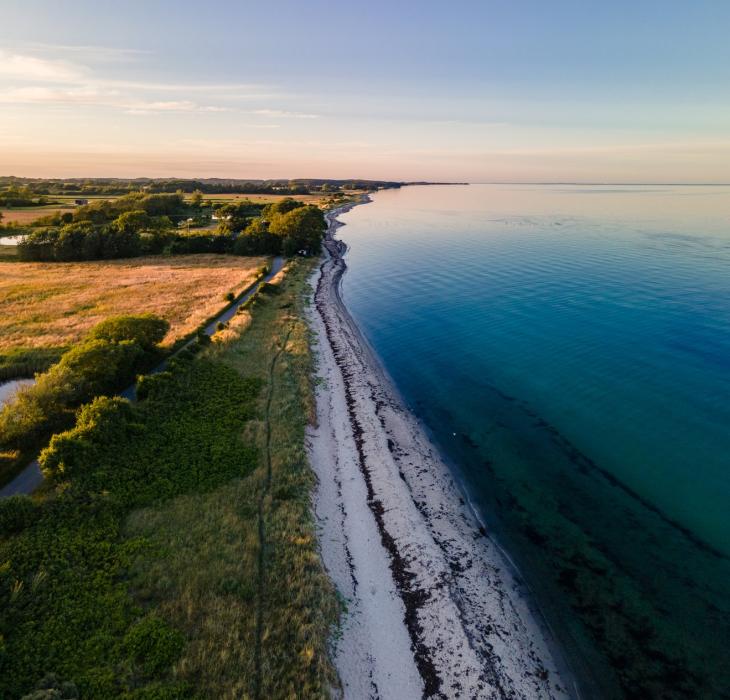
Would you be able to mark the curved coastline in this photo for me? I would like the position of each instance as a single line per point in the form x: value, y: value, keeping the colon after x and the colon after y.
x: 403, y: 543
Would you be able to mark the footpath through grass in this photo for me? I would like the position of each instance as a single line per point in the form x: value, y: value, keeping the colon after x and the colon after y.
x: 142, y: 575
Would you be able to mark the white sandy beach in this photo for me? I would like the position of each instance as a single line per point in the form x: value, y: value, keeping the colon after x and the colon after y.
x: 433, y: 607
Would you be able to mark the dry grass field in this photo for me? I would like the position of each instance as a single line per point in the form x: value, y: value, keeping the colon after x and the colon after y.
x: 29, y: 214
x: 262, y: 198
x: 54, y: 304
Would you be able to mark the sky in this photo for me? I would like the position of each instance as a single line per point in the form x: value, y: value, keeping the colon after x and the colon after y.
x: 482, y: 91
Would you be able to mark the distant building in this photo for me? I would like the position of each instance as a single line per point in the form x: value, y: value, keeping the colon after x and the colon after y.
x: 81, y: 202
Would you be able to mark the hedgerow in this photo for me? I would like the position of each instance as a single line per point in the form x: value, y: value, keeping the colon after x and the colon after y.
x: 105, y: 362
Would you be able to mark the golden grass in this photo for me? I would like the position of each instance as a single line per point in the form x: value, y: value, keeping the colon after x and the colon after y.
x: 54, y: 304
x: 262, y: 198
x: 30, y: 214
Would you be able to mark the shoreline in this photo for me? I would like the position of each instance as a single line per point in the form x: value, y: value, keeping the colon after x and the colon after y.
x: 434, y: 607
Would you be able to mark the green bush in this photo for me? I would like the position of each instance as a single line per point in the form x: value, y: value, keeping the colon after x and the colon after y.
x: 268, y: 288
x: 25, y: 362
x: 53, y: 688
x: 16, y: 513
x: 154, y: 643
x: 104, y: 363
x: 147, y: 330
x: 37, y: 409
x: 99, y: 366
x: 230, y: 296
x: 104, y: 421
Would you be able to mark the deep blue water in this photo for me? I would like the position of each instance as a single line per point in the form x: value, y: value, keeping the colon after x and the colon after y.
x: 569, y: 348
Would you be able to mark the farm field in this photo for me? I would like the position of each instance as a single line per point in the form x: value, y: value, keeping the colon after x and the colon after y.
x: 54, y: 304
x: 262, y: 198
x: 27, y: 215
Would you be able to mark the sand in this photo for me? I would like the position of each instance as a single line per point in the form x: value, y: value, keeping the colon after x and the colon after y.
x: 433, y: 608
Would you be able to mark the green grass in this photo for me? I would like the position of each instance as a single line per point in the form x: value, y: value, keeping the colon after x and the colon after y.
x: 185, y: 438
x: 25, y: 362
x: 178, y: 557
x: 9, y: 253
x: 249, y: 636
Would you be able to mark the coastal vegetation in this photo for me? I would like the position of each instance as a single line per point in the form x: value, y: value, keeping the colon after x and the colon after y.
x: 172, y: 553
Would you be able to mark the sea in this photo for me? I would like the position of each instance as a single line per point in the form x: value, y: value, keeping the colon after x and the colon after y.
x: 568, y: 348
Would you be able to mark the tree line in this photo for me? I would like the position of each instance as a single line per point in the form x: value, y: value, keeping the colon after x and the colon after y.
x: 144, y: 224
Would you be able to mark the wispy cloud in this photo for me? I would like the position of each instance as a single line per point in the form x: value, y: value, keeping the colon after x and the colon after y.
x: 87, y: 52
x: 284, y: 113
x: 30, y: 79
x: 23, y: 67
x: 155, y: 107
x: 91, y: 96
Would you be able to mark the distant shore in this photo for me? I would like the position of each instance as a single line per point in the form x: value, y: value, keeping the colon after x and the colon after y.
x: 433, y: 608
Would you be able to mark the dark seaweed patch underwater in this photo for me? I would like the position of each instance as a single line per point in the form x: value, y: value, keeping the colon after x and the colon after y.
x: 578, y: 378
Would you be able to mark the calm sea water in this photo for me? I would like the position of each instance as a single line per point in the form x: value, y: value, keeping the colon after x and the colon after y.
x: 569, y: 348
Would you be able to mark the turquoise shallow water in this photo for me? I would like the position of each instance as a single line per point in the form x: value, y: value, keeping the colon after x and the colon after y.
x: 569, y: 348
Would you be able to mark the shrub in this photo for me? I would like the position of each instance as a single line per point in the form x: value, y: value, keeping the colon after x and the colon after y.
x: 147, y: 330
x: 102, y: 364
x: 230, y: 296
x: 154, y: 643
x: 97, y: 367
x: 16, y: 513
x: 36, y: 409
x: 268, y: 288
x: 107, y: 419
x: 53, y: 688
x: 25, y: 362
x: 39, y: 245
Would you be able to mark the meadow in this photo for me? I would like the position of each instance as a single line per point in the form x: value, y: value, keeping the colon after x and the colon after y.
x: 50, y: 305
x: 27, y: 215
x: 261, y: 198
x: 175, y: 554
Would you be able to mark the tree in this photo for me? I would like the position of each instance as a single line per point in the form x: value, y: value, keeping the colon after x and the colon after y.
x: 301, y: 229
x: 256, y: 239
x: 282, y: 207
x: 133, y: 221
x: 197, y: 198
x: 70, y: 243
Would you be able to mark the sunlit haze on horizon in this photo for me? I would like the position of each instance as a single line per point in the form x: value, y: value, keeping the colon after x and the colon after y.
x: 467, y: 91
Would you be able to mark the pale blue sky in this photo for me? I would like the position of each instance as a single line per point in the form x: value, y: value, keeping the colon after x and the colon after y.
x: 480, y: 91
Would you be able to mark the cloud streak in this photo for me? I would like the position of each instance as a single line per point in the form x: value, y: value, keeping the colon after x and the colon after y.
x: 23, y: 67
x: 32, y: 80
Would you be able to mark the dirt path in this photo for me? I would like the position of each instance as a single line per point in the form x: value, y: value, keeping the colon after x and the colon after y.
x: 261, y: 575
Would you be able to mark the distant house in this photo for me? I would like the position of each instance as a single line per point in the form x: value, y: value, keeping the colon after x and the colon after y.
x: 215, y: 217
x: 81, y: 202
